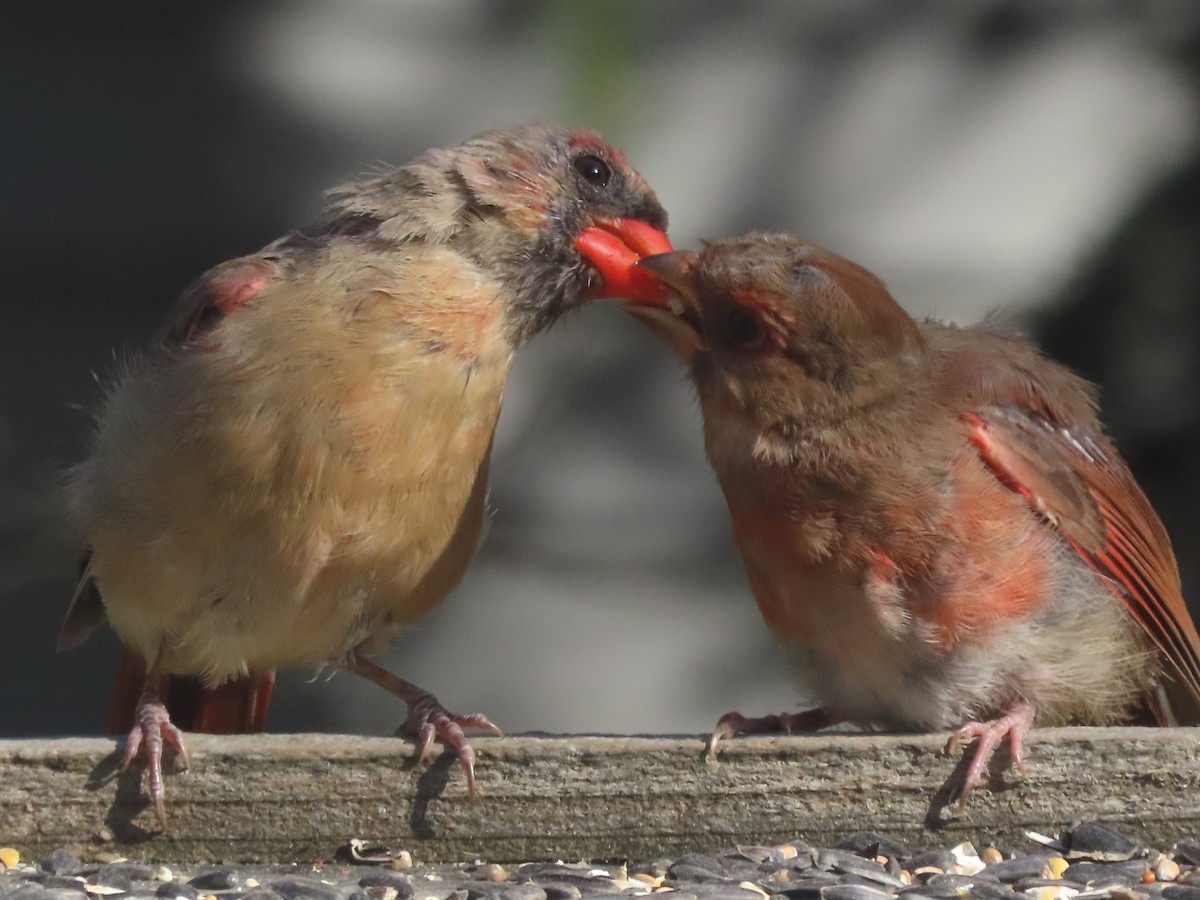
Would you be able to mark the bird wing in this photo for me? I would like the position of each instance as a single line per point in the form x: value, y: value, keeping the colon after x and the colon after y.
x: 216, y: 294
x: 239, y: 705
x: 86, y: 611
x: 1074, y: 477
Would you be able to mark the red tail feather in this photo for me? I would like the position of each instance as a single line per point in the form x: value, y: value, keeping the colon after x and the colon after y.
x: 235, y: 707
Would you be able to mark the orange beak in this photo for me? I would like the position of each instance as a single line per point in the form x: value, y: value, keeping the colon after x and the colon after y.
x: 614, y: 247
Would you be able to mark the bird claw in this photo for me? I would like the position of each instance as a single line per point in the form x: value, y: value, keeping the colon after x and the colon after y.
x: 1014, y: 724
x: 734, y: 724
x: 429, y: 721
x: 153, y: 730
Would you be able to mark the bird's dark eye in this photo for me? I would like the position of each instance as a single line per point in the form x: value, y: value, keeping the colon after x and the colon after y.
x: 742, y: 330
x: 594, y: 170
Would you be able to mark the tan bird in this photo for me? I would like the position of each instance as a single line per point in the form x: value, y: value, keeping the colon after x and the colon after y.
x: 299, y: 466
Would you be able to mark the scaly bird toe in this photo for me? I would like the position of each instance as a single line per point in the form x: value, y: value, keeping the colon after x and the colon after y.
x: 153, y: 729
x: 432, y: 722
x: 427, y: 719
x: 1014, y: 724
x: 734, y: 724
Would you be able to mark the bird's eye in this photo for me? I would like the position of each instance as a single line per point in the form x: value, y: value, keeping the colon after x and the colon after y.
x: 594, y: 170
x: 742, y: 330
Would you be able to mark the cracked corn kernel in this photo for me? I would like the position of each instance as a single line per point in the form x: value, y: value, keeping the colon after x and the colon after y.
x: 1166, y: 869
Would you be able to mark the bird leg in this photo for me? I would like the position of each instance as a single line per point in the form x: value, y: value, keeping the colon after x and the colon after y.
x: 1015, y: 723
x: 733, y: 724
x: 152, y: 728
x: 427, y: 719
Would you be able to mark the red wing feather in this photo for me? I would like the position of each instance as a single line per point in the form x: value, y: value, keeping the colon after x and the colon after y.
x: 216, y: 294
x: 1075, y: 478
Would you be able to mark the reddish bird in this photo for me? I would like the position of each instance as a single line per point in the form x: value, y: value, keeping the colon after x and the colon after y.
x: 298, y: 468
x: 932, y: 521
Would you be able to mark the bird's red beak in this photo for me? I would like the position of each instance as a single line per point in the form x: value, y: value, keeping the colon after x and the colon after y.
x: 614, y: 247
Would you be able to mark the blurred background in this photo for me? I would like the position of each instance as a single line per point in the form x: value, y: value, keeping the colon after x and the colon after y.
x: 1040, y: 157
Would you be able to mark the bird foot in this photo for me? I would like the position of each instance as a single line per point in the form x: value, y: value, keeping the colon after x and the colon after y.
x: 152, y: 729
x: 1014, y: 724
x: 428, y: 721
x: 734, y: 724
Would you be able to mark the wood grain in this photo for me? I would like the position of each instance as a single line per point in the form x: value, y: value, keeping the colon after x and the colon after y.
x: 302, y: 796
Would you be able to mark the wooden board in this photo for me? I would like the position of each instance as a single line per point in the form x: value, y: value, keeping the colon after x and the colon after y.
x: 300, y: 797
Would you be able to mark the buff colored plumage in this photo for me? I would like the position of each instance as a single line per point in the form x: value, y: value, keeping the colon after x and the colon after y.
x: 299, y: 466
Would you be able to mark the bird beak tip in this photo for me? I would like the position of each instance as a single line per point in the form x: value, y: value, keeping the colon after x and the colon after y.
x: 673, y: 269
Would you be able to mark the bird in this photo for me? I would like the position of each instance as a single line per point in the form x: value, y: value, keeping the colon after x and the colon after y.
x: 297, y: 468
x: 933, y: 523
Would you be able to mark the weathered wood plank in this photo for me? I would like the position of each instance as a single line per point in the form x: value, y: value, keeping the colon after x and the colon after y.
x: 300, y: 797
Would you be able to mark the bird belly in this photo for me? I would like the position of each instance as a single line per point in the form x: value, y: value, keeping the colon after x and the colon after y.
x: 864, y: 664
x: 287, y: 529
x: 869, y: 658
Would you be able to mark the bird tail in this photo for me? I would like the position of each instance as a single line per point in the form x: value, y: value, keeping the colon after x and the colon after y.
x: 235, y: 707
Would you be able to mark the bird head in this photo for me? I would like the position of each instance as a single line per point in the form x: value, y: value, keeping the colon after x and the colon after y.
x: 780, y: 327
x: 559, y: 214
